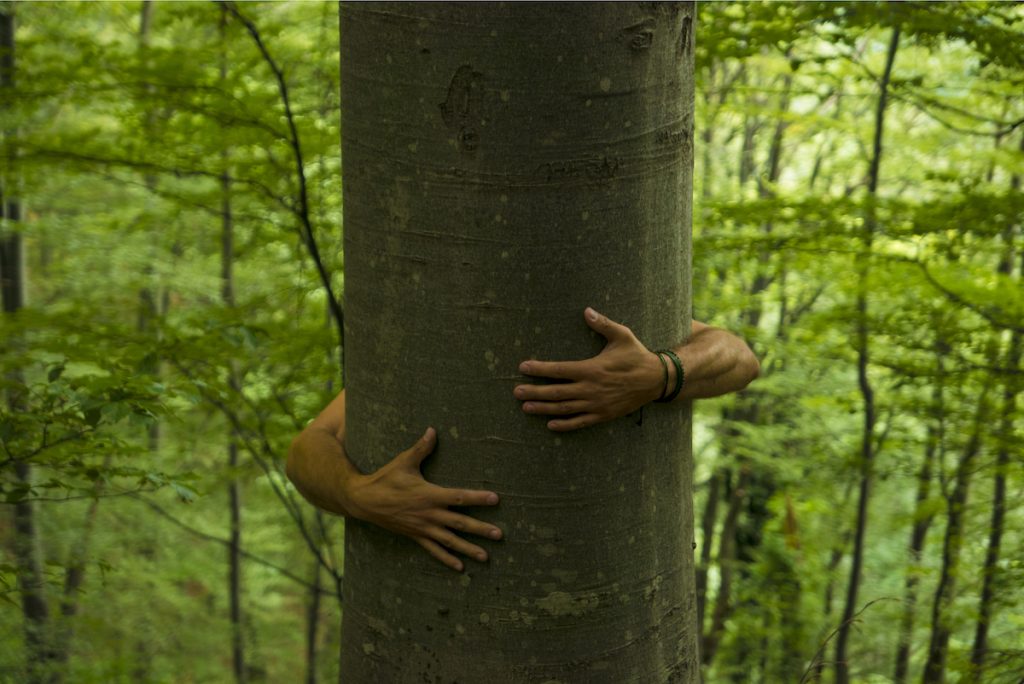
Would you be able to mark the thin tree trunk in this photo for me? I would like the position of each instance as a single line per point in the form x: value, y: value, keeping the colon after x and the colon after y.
x: 935, y: 666
x: 842, y: 666
x: 74, y: 577
x: 227, y: 260
x: 313, y: 624
x: 818, y: 665
x: 922, y: 521
x: 726, y: 565
x: 707, y: 539
x: 462, y: 224
x: 40, y: 667
x: 1009, y: 409
x: 149, y: 305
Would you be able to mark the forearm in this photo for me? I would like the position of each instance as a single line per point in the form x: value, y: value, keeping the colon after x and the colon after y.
x: 715, y: 362
x: 320, y: 470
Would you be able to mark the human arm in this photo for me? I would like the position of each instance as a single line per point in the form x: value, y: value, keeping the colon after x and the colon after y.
x: 395, y: 497
x: 626, y: 375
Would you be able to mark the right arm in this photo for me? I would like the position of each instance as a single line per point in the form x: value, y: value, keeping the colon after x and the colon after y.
x: 395, y: 497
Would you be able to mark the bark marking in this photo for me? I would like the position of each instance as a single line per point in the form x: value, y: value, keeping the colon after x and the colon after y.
x: 462, y: 106
x: 559, y: 603
x: 639, y: 36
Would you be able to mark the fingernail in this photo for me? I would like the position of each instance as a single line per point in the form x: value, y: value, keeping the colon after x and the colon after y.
x: 527, y: 407
x: 591, y: 314
x: 481, y: 557
x: 492, y: 499
x: 495, y: 534
x: 524, y: 367
x: 518, y: 392
x: 458, y: 567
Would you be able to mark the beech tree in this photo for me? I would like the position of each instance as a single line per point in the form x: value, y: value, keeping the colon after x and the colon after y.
x: 505, y: 167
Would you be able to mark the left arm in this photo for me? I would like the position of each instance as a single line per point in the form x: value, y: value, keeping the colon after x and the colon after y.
x: 626, y: 375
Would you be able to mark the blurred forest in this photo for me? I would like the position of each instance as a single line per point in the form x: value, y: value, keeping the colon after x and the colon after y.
x: 171, y: 194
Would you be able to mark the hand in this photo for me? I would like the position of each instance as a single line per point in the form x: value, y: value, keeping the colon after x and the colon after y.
x: 397, y: 498
x: 616, y: 382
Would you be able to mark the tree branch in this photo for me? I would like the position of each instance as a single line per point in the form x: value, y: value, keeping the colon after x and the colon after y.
x: 300, y: 171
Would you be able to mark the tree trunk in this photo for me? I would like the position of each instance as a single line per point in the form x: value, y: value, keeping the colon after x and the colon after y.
x: 935, y: 666
x: 227, y: 278
x: 1009, y: 409
x: 867, y: 457
x: 707, y: 539
x: 726, y: 563
x: 505, y: 167
x: 39, y: 656
x: 922, y: 521
x: 149, y: 299
x: 313, y: 624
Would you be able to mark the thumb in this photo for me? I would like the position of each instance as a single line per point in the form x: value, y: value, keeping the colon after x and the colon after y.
x: 418, y: 452
x: 612, y: 331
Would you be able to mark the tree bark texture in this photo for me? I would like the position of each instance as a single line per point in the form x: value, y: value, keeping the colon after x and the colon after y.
x: 506, y: 166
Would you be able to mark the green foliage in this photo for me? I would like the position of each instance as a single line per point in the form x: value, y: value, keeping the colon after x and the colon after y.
x: 129, y: 372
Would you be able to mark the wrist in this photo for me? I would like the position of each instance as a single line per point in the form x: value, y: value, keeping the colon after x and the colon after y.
x: 350, y: 496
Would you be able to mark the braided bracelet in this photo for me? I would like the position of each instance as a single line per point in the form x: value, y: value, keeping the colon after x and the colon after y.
x: 664, y: 370
x: 680, y: 375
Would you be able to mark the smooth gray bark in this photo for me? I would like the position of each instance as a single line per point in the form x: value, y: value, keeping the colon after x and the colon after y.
x: 506, y: 166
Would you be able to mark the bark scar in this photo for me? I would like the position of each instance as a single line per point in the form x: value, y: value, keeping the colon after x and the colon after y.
x: 461, y: 109
x: 639, y: 36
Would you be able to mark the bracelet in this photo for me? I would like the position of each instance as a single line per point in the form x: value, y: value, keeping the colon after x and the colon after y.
x: 680, y: 374
x: 664, y: 370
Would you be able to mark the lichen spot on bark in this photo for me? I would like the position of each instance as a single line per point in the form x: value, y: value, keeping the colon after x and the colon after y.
x: 559, y: 603
x: 454, y: 432
x: 651, y: 589
x: 605, y: 84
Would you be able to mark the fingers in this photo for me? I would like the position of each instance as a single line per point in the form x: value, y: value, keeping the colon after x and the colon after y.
x: 440, y: 554
x: 457, y: 543
x: 563, y: 370
x: 611, y: 330
x: 556, y: 408
x: 558, y: 392
x: 465, y: 497
x: 422, y: 448
x: 574, y: 423
x: 464, y: 523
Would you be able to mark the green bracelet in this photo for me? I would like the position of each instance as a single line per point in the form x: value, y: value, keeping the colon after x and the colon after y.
x: 680, y: 375
x: 664, y: 370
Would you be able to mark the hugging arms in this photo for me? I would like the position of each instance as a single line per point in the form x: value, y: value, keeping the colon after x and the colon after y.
x: 622, y: 378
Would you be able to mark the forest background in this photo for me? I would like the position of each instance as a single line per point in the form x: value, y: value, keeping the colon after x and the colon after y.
x: 170, y: 174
